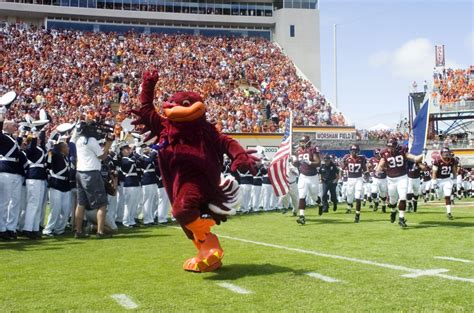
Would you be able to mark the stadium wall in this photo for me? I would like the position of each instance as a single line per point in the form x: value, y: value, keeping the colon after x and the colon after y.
x: 303, y: 47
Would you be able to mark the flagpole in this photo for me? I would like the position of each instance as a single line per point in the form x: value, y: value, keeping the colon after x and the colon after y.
x: 291, y: 133
x: 428, y: 103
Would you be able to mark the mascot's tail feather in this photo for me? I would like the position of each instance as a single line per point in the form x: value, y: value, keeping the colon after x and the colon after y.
x: 230, y: 189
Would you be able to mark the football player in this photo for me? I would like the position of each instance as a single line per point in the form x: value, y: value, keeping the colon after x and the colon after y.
x: 308, y: 181
x: 414, y: 184
x: 344, y: 178
x: 443, y: 166
x: 426, y: 185
x: 394, y: 160
x: 356, y: 166
x: 379, y: 182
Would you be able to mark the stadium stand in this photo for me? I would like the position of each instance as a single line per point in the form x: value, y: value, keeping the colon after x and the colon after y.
x: 249, y: 84
x: 454, y: 85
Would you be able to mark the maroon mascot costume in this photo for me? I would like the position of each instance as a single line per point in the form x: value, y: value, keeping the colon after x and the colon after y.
x: 190, y: 159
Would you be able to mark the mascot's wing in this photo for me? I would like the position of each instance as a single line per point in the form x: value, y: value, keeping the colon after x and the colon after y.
x: 231, y: 191
x: 147, y: 114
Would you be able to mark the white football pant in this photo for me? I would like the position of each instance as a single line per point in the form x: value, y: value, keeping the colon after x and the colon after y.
x: 354, y: 189
x: 308, y: 186
x: 397, y: 188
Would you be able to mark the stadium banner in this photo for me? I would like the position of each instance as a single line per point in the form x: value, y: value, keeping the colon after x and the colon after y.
x: 326, y: 133
x: 335, y: 136
x: 420, y: 128
x: 439, y: 55
x: 269, y: 151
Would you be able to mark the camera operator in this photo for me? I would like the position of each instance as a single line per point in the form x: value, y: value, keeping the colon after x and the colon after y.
x: 91, y: 193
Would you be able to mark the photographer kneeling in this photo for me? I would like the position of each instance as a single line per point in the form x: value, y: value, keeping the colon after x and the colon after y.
x: 91, y: 193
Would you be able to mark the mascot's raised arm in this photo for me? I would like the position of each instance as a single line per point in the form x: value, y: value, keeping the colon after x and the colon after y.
x: 190, y: 159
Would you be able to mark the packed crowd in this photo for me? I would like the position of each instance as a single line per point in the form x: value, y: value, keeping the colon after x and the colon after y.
x: 453, y: 85
x: 70, y: 73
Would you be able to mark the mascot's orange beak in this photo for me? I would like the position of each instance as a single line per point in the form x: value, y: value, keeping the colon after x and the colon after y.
x: 178, y: 113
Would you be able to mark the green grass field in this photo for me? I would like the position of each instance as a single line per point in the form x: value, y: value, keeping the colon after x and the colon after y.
x: 367, y: 260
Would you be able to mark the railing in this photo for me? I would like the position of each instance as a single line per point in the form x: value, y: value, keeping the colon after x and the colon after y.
x: 464, y: 144
x: 264, y: 9
x: 460, y: 106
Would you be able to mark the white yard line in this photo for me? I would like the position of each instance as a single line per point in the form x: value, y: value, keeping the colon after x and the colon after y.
x: 355, y: 260
x: 124, y: 301
x: 234, y: 288
x: 323, y: 278
x: 345, y: 258
x: 431, y: 272
x: 452, y: 259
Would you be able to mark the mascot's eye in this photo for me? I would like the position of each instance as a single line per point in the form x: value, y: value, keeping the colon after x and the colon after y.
x: 186, y: 102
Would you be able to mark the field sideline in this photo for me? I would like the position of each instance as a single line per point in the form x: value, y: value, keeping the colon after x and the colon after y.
x: 271, y: 264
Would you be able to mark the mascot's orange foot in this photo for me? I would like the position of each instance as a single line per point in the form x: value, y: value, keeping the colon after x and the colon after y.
x: 209, y: 256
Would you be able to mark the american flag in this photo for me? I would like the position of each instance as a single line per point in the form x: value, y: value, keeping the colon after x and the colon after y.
x: 277, y: 172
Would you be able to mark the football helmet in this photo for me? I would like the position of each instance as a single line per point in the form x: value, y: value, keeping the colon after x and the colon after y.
x: 377, y: 152
x: 354, y: 149
x: 446, y: 153
x: 305, y: 141
x: 392, y: 143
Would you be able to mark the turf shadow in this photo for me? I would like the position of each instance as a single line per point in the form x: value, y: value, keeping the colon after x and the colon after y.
x: 43, y: 244
x: 236, y: 271
x: 447, y: 223
x: 136, y: 235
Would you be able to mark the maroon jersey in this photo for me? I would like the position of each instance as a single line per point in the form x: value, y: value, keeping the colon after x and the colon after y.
x: 427, y: 173
x: 444, y: 167
x: 396, y: 162
x: 373, y: 164
x: 355, y: 166
x: 307, y: 154
x: 414, y: 170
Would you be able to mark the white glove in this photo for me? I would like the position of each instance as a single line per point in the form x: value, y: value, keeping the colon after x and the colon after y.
x: 307, y: 161
x: 3, y: 112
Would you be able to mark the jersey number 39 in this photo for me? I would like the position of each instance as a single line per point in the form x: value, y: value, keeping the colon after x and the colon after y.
x: 394, y: 162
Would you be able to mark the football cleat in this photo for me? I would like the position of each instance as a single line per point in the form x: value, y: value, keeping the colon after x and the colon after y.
x: 357, y: 218
x: 384, y: 208
x: 450, y: 216
x: 294, y: 213
x: 301, y: 220
x: 393, y: 216
x: 348, y: 211
x: 402, y: 222
x: 320, y: 210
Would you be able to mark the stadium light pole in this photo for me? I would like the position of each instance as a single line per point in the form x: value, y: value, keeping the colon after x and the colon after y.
x: 335, y: 66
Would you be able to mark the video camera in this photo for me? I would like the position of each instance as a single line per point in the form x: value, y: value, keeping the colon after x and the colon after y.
x: 95, y: 129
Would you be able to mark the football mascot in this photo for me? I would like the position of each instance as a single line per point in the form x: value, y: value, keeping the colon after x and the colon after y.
x: 190, y: 159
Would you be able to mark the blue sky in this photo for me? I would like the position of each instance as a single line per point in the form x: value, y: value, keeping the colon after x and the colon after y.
x: 383, y: 46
